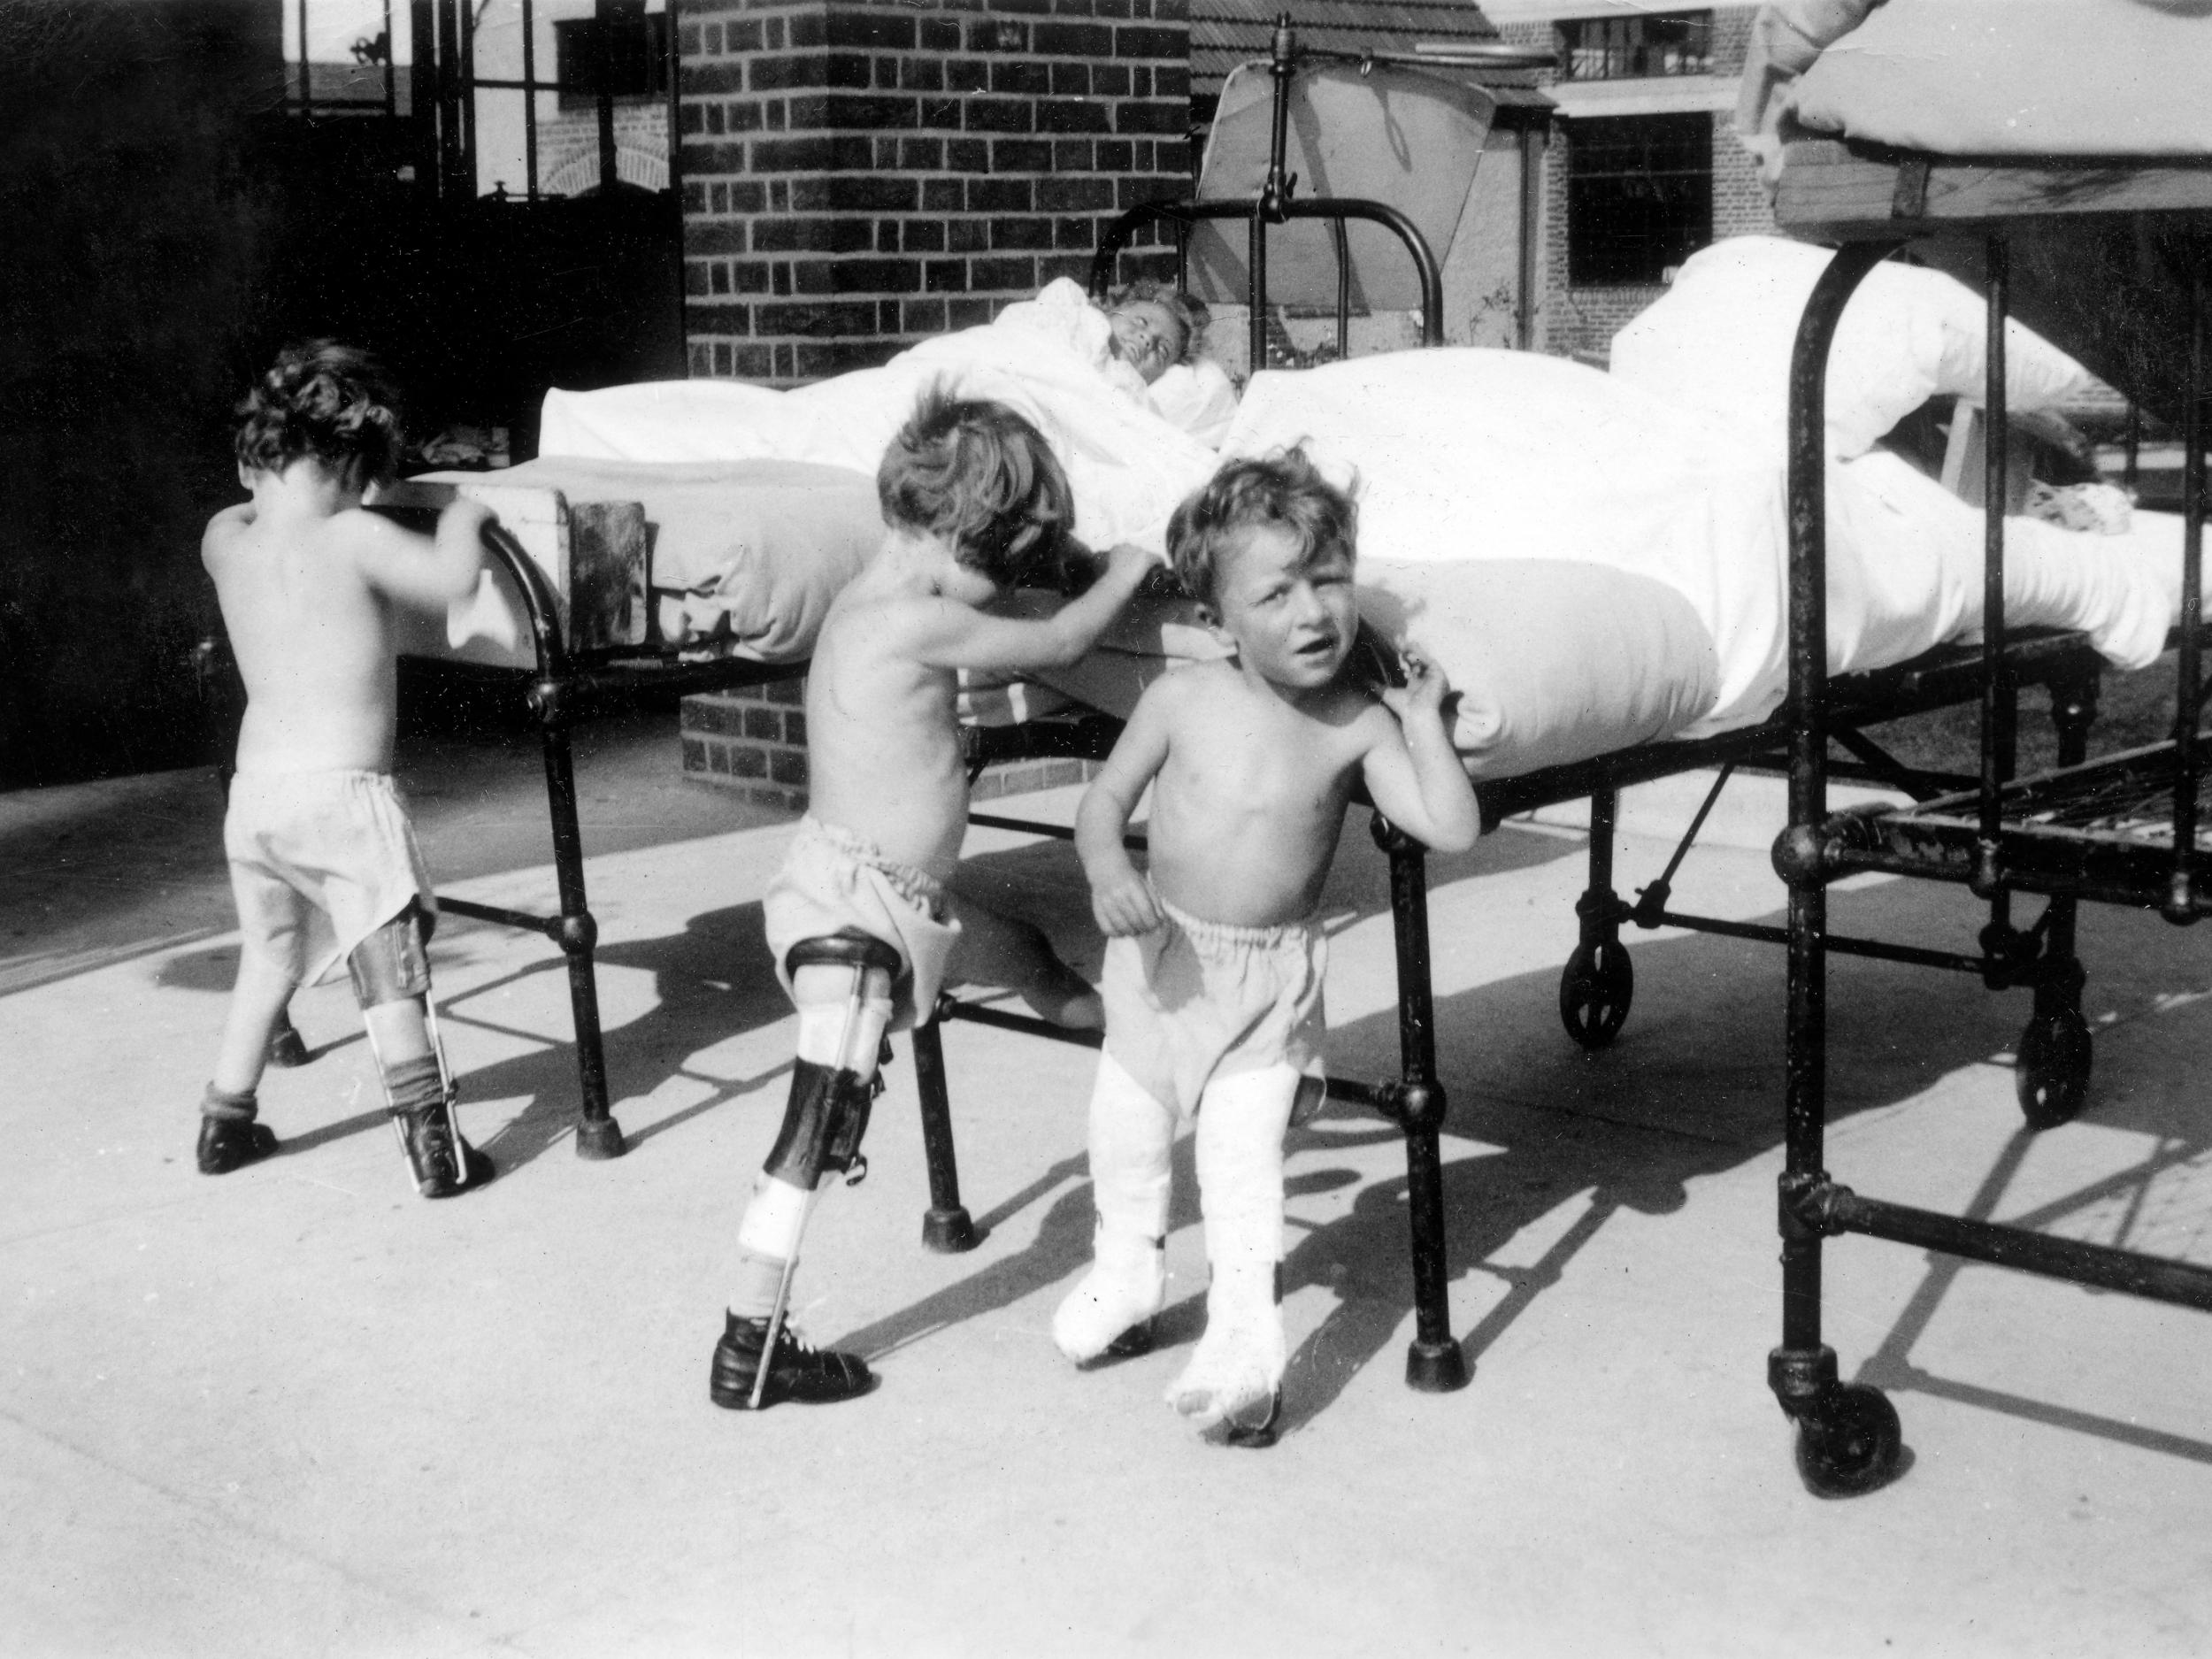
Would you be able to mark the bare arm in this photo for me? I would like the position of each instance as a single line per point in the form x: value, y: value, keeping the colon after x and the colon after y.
x: 953, y: 635
x: 426, y: 572
x: 1121, y: 899
x: 1412, y: 772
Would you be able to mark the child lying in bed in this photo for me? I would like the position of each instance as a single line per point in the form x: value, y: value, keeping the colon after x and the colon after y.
x: 861, y: 921
x: 1212, y: 982
x: 309, y: 585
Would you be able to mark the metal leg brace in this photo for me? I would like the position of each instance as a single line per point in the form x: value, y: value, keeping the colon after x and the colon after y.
x: 827, y: 1113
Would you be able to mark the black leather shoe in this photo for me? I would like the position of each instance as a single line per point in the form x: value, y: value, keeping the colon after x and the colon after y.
x: 796, y: 1370
x: 230, y: 1143
x: 286, y: 1047
x: 442, y: 1162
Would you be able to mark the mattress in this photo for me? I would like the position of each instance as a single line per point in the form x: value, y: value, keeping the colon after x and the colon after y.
x: 742, y: 557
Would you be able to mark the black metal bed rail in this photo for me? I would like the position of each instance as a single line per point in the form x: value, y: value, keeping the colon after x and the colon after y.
x: 563, y: 690
x: 1832, y: 1208
x: 1277, y: 203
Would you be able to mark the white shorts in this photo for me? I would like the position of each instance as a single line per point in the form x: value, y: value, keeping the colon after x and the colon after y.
x: 319, y: 861
x: 833, y: 879
x: 1194, y: 1000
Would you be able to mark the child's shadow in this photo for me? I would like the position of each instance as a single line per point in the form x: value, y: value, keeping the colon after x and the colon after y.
x: 711, y: 981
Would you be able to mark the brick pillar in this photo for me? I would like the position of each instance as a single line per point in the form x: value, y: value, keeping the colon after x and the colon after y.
x: 859, y: 174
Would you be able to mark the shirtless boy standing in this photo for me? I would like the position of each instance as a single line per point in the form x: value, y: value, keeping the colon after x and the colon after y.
x: 861, y: 919
x: 310, y: 583
x: 1214, y: 963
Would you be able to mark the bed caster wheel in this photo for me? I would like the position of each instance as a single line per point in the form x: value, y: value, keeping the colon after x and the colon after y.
x: 2052, y: 1074
x: 1850, y: 1445
x: 1595, y: 988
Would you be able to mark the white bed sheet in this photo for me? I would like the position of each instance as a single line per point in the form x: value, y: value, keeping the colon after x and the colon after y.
x: 1467, y: 453
x: 1045, y: 358
x: 1472, y: 453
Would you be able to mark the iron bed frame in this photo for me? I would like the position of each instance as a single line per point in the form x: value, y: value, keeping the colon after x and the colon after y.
x: 2074, y: 834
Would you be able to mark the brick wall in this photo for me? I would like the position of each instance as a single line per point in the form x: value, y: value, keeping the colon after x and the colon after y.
x: 859, y: 174
x: 1583, y: 320
x: 753, y: 742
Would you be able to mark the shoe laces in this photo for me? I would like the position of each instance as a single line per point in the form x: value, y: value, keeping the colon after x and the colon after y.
x: 433, y: 1137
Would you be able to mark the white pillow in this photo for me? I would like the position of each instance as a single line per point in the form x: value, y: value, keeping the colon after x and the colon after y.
x: 1718, y: 341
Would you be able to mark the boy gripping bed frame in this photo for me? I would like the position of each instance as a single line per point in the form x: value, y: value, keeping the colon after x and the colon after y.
x: 315, y: 832
x: 1212, y: 986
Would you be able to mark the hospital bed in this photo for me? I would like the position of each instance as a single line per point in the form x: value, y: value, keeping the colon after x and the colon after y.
x: 2098, y: 221
x: 1597, y: 982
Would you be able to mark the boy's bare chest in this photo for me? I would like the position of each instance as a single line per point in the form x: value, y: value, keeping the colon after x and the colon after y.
x: 1262, y: 766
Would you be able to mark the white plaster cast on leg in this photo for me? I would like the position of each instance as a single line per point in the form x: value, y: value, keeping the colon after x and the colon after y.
x: 1239, y: 1364
x: 774, y: 1220
x: 1130, y: 1134
x: 842, y: 1024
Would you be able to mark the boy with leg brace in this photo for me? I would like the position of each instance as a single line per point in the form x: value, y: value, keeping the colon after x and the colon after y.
x: 1212, y: 980
x: 861, y: 919
x: 308, y: 582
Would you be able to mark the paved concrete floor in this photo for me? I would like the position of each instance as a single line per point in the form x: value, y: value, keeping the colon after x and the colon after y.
x: 296, y: 1410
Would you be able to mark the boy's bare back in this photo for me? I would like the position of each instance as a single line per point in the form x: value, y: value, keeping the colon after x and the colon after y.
x: 883, y: 737
x: 884, y: 756
x: 308, y: 580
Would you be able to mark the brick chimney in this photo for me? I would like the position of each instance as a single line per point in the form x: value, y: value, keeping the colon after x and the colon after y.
x: 859, y: 174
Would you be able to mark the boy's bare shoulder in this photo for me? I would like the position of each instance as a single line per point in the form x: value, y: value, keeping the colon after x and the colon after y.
x: 1357, y: 710
x: 226, y: 530
x: 1205, y: 677
x: 886, y: 617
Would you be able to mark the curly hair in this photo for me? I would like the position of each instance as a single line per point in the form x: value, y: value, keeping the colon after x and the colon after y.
x: 322, y: 399
x: 1190, y: 315
x: 980, y: 476
x: 1284, y: 489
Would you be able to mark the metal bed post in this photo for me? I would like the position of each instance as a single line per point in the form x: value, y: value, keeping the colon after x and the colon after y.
x: 2181, y: 903
x: 1999, y: 689
x: 1415, y: 1103
x: 946, y: 1225
x: 1847, y: 1435
x: 553, y: 699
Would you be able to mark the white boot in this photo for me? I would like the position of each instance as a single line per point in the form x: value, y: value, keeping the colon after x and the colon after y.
x: 1235, y: 1375
x: 1109, y: 1314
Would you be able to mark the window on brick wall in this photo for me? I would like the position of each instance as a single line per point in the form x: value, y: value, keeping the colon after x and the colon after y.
x: 1640, y: 197
x: 637, y: 55
x: 1636, y: 48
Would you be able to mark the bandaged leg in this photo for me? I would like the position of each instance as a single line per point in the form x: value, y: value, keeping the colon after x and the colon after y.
x: 1109, y: 1314
x: 391, y: 982
x: 842, y: 988
x: 1236, y: 1373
